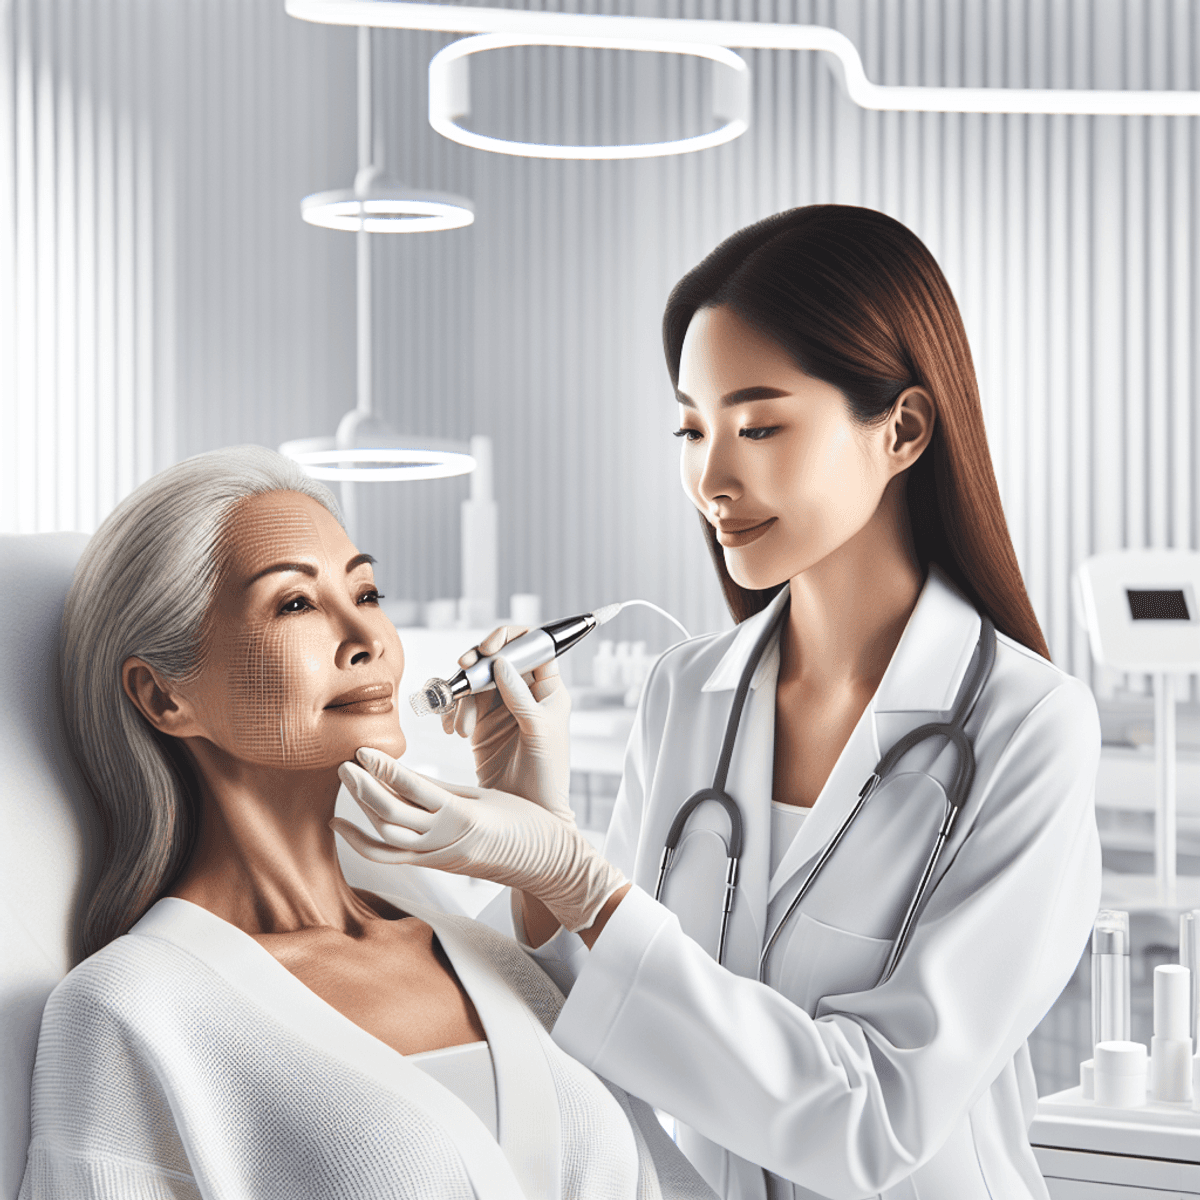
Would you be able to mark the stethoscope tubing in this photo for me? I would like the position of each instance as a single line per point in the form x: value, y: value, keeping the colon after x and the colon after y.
x: 964, y: 776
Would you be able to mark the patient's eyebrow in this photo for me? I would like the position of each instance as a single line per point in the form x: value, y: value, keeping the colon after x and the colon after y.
x: 740, y: 396
x: 304, y: 568
x: 358, y: 560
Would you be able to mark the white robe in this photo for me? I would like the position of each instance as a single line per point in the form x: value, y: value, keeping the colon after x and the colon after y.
x: 916, y: 1089
x: 183, y: 1060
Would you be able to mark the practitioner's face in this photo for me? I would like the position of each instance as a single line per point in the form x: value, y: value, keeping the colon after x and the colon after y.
x: 301, y: 666
x: 773, y: 457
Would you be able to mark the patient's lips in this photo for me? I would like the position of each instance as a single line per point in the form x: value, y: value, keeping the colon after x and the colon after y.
x: 369, y: 698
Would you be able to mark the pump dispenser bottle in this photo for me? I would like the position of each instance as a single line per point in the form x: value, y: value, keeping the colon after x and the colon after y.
x: 1110, y: 977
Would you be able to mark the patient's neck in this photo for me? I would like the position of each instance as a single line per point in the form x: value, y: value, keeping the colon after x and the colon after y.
x: 265, y: 858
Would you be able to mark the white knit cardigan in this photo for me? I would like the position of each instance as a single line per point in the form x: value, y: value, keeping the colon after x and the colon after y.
x: 184, y: 1061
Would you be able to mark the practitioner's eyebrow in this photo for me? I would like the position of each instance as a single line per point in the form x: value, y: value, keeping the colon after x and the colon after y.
x: 740, y: 396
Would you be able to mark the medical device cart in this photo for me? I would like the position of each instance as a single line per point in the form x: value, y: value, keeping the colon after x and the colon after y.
x: 1087, y: 1152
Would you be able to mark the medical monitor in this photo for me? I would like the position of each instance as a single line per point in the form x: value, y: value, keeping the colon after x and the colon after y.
x: 1140, y: 609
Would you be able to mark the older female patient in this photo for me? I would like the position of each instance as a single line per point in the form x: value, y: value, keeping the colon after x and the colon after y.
x: 247, y: 1024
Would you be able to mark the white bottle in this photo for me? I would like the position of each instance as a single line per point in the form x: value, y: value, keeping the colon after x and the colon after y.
x: 604, y: 666
x: 1120, y: 1074
x: 1171, y: 1046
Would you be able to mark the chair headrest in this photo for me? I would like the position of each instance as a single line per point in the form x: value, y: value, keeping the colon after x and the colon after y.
x: 49, y: 838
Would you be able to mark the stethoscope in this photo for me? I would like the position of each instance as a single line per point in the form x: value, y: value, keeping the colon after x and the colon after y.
x: 953, y: 730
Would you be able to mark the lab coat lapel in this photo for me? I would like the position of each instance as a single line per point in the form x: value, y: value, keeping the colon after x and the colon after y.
x: 919, y: 685
x: 248, y: 967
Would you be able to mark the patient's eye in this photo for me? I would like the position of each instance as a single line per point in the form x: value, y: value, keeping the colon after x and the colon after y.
x: 295, y: 604
x: 371, y: 597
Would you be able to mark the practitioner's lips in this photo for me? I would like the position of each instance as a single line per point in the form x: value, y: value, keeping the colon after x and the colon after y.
x: 742, y: 533
x: 370, y: 698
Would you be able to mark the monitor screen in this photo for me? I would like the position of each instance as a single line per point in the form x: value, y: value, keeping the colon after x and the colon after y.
x: 1158, y: 605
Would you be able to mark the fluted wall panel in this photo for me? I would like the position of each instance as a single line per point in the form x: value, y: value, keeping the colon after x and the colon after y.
x: 168, y: 298
x: 84, y: 327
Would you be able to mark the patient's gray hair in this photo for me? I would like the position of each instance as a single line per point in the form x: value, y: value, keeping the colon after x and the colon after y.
x: 143, y: 587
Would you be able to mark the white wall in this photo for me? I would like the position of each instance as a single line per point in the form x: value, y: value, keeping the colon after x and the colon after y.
x: 1070, y: 242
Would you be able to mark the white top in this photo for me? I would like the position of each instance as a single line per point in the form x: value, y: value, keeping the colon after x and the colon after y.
x: 468, y: 1072
x: 183, y: 1060
x: 786, y: 820
x: 921, y: 1085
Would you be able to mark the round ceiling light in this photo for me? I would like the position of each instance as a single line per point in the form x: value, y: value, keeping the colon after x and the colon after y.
x: 323, y: 459
x: 386, y: 210
x: 450, y: 95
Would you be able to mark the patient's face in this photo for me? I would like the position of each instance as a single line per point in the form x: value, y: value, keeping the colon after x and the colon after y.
x: 301, y: 666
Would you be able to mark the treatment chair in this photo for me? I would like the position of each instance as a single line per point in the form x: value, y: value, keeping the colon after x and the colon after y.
x: 50, y: 839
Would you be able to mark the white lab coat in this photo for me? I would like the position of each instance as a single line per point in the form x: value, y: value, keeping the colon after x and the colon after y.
x: 921, y: 1087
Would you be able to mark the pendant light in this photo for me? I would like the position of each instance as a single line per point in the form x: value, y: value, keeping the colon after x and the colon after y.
x: 365, y: 448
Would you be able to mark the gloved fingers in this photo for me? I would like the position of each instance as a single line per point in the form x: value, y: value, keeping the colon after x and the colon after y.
x: 387, y: 785
x: 381, y: 806
x: 547, y: 671
x: 368, y: 847
x: 501, y: 637
x: 517, y: 697
x: 390, y: 834
x: 466, y: 714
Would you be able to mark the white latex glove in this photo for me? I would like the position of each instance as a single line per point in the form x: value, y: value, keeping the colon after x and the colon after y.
x: 519, y: 731
x: 476, y: 831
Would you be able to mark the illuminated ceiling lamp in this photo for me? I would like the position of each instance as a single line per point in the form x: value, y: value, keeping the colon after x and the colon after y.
x: 364, y: 448
x: 841, y: 52
x: 450, y: 95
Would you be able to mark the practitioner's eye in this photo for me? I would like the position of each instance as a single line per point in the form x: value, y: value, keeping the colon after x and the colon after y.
x: 295, y: 604
x: 371, y: 596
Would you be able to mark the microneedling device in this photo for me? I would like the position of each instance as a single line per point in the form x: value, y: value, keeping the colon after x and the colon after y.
x: 530, y: 650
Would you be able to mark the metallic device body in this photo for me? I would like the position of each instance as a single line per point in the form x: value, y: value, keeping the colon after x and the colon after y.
x: 530, y: 650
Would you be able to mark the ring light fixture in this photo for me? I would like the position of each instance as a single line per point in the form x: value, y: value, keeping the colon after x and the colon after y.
x: 845, y: 58
x: 322, y: 459
x: 365, y: 449
x: 393, y: 210
x: 450, y: 96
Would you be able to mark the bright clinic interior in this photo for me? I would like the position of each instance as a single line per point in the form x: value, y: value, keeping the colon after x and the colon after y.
x: 161, y: 296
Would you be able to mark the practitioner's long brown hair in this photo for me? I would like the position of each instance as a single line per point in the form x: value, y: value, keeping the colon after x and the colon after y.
x: 858, y: 301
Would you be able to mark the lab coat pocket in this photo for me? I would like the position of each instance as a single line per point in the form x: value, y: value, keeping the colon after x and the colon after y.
x: 870, y: 879
x: 819, y: 960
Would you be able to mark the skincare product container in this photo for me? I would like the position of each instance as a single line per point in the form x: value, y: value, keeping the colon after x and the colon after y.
x: 1189, y: 956
x: 1110, y: 978
x: 1120, y: 1074
x: 1171, y: 1045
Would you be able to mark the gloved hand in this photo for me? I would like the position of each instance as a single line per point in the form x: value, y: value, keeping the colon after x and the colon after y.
x: 519, y: 731
x: 476, y: 831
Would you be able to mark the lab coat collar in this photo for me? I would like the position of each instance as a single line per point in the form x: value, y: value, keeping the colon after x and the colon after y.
x: 920, y: 684
x: 925, y: 672
x: 728, y: 671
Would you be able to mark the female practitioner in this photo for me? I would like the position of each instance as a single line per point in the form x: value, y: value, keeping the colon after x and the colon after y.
x: 857, y: 1026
